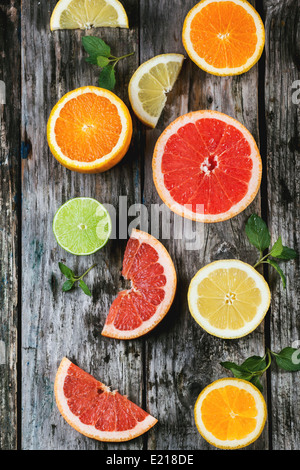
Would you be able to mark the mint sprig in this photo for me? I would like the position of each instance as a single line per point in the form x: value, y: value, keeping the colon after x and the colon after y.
x: 255, y: 366
x: 72, y: 279
x: 259, y: 236
x: 100, y: 55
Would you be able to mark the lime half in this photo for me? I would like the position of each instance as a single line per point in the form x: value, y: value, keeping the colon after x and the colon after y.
x: 82, y: 226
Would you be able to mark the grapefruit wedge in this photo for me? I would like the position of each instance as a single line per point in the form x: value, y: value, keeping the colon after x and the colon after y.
x: 93, y: 410
x: 206, y: 166
x: 149, y: 267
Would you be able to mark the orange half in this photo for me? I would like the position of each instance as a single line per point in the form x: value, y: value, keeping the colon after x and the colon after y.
x: 230, y: 413
x: 224, y: 37
x: 89, y: 130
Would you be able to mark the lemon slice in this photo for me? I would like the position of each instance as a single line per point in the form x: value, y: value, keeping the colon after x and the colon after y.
x: 230, y: 413
x: 228, y: 298
x: 85, y: 14
x: 150, y: 83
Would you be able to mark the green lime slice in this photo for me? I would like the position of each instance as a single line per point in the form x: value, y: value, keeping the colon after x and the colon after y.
x: 82, y: 226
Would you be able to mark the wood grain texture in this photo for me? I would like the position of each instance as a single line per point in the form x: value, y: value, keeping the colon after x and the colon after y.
x: 9, y: 203
x: 283, y: 151
x: 165, y: 371
x: 57, y: 324
x: 181, y: 357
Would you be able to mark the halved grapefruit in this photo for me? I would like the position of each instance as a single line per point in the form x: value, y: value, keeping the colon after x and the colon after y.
x: 206, y: 166
x: 149, y: 267
x: 93, y: 410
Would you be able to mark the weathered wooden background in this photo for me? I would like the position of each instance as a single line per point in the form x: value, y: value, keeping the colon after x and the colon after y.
x: 165, y: 371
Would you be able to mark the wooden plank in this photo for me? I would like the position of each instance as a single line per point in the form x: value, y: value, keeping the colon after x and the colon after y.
x: 283, y: 137
x: 57, y: 324
x: 9, y: 223
x: 181, y: 357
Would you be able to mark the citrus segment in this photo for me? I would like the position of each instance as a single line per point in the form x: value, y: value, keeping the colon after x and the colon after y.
x: 230, y: 413
x: 93, y: 410
x: 82, y: 226
x: 89, y: 130
x: 228, y: 298
x: 206, y: 166
x: 148, y: 266
x: 150, y: 84
x: 86, y: 14
x: 224, y: 37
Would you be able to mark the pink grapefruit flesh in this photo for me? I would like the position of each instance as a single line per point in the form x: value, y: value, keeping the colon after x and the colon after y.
x: 93, y: 410
x: 148, y: 266
x: 206, y: 166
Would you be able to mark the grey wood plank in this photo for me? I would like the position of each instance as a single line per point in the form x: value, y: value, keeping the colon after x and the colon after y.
x: 283, y: 151
x: 55, y: 324
x: 182, y: 358
x: 9, y: 221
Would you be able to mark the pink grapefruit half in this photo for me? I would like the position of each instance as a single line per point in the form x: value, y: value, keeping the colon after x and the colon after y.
x: 206, y: 166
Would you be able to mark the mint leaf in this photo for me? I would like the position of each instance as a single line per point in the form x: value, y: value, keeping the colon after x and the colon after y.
x: 107, y: 78
x: 286, y: 254
x: 238, y: 371
x: 256, y: 381
x: 85, y: 288
x: 277, y: 248
x: 67, y: 285
x: 91, y: 60
x: 288, y: 359
x: 95, y: 47
x: 257, y: 232
x: 255, y: 364
x: 66, y: 271
x: 279, y: 270
x: 102, y: 61
x: 72, y: 279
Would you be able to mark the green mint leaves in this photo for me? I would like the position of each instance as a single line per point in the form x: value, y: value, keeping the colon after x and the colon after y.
x: 72, y: 279
x: 100, y: 55
x: 255, y: 366
x: 259, y: 236
x: 258, y: 233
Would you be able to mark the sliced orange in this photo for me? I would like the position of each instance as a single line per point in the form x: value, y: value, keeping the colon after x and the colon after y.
x: 230, y: 413
x: 93, y: 410
x: 89, y: 130
x: 149, y: 267
x: 224, y: 37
